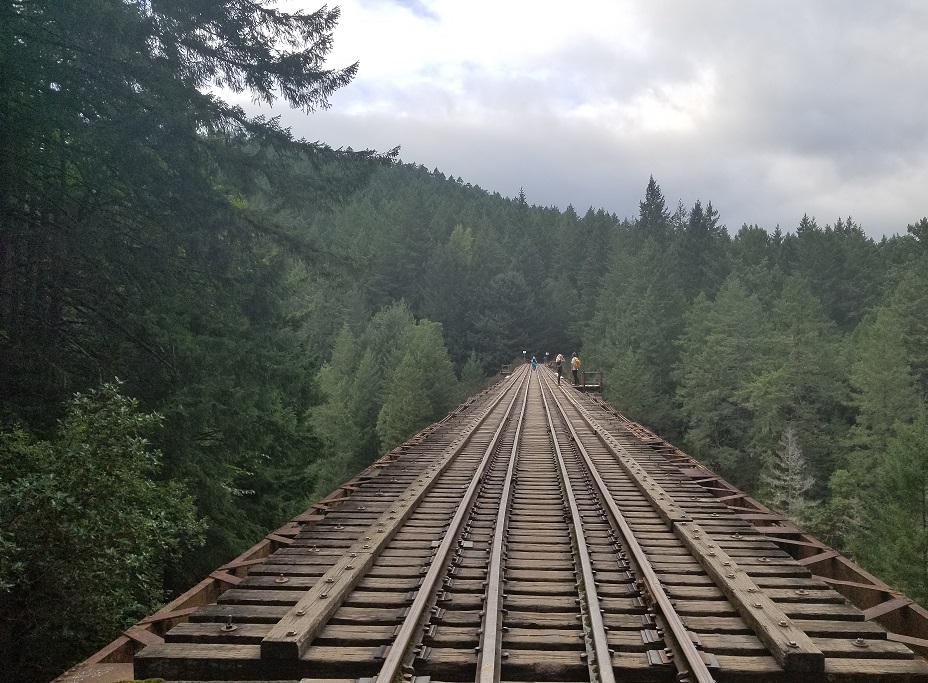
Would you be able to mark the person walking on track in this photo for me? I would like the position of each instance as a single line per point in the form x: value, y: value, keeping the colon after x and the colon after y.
x: 575, y: 368
x: 559, y: 363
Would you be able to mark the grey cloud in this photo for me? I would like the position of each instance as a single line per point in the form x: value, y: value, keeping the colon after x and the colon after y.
x: 831, y: 89
x: 559, y: 164
x: 831, y: 80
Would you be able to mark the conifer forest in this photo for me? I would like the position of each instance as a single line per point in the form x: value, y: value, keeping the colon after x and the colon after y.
x: 207, y: 324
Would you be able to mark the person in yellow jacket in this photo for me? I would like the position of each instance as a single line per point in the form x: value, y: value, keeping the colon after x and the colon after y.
x: 575, y: 368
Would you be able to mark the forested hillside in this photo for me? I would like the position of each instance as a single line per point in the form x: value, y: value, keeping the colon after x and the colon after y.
x: 794, y: 363
x: 206, y: 324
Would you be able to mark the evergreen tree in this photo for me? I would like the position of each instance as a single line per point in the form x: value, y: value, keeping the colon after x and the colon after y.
x: 449, y: 288
x: 805, y: 385
x: 723, y: 349
x: 861, y: 276
x: 506, y: 319
x: 884, y: 385
x: 786, y: 479
x: 919, y: 231
x: 909, y: 303
x: 527, y: 249
x: 354, y: 383
x: 597, y: 230
x: 841, y: 265
x: 421, y: 387
x: 384, y: 338
x: 895, y: 541
x: 567, y: 256
x: 153, y: 232
x: 122, y: 177
x: 407, y: 406
x: 837, y: 519
x: 473, y: 377
x: 702, y: 247
x: 340, y: 419
x: 754, y: 260
x: 639, y: 310
x: 631, y: 384
x: 653, y: 216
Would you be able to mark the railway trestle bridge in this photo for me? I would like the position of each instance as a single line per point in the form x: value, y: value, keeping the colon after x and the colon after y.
x: 534, y: 534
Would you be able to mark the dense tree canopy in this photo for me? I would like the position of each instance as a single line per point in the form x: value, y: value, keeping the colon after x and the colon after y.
x: 153, y: 233
x: 87, y: 528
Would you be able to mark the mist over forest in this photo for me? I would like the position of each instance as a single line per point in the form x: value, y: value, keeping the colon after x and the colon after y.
x: 206, y: 324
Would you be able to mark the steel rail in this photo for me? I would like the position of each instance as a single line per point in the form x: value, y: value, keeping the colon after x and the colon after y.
x: 789, y: 645
x: 601, y: 656
x: 291, y: 637
x: 697, y: 667
x: 489, y: 661
x: 394, y: 660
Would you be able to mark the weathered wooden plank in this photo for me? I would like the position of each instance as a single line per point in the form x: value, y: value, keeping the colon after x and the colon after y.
x: 821, y: 611
x: 790, y: 647
x: 239, y: 613
x: 891, y: 670
x: 522, y: 638
x: 818, y: 557
x: 279, y: 582
x: 341, y: 635
x: 538, y: 588
x: 734, y: 667
x: 243, y: 596
x: 716, y: 624
x: 142, y: 635
x: 524, y: 619
x: 779, y: 595
x: 198, y: 661
x: 826, y: 628
x: 291, y: 637
x: 528, y: 664
x: 182, y: 661
x: 295, y: 631
x: 720, y: 608
x: 212, y: 632
x: 380, y: 599
x: 887, y: 607
x: 862, y: 648
x: 740, y: 644
x: 531, y: 555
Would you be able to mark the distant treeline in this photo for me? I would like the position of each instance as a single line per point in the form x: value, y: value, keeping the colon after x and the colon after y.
x: 206, y: 324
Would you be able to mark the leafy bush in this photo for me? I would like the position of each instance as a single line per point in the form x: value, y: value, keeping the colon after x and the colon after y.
x: 87, y: 532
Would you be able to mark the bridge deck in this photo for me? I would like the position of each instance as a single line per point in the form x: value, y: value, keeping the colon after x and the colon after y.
x: 534, y: 534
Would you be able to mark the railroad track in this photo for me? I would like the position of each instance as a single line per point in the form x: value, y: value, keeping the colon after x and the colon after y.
x: 533, y: 537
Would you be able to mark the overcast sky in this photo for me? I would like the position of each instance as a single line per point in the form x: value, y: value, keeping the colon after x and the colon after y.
x: 767, y: 108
